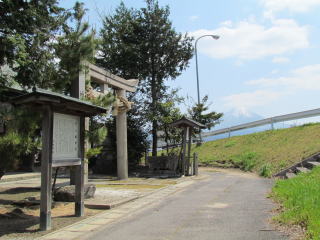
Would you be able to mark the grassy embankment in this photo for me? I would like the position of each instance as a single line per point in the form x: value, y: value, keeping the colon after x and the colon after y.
x: 266, y: 152
x: 300, y: 197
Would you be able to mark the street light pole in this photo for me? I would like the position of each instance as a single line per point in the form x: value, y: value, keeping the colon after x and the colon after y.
x: 216, y: 37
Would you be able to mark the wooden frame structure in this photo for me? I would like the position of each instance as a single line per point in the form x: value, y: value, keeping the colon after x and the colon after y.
x: 49, y: 104
x: 187, y: 125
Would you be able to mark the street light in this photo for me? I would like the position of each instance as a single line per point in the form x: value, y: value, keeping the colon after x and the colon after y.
x: 215, y: 37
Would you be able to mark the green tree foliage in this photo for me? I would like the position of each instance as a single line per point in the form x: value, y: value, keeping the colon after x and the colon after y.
x: 199, y: 113
x: 143, y: 44
x: 22, y: 141
x: 77, y: 44
x: 27, y: 32
x: 170, y: 113
x: 120, y: 44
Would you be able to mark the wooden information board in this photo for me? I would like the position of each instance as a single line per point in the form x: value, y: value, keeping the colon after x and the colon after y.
x: 66, y: 140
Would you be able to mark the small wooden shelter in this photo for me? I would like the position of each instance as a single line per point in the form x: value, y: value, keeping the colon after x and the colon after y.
x: 63, y: 130
x: 188, y: 125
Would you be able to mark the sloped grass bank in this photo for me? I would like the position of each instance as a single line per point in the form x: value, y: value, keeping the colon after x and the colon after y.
x: 300, y: 198
x: 265, y: 152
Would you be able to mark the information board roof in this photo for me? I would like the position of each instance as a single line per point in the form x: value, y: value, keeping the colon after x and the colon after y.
x: 60, y: 102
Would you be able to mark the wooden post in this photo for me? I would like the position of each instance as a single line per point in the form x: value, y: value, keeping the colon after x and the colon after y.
x: 46, y: 169
x: 189, y: 151
x: 195, y: 163
x: 184, y: 143
x: 78, y: 90
x: 122, y: 148
x: 79, y: 176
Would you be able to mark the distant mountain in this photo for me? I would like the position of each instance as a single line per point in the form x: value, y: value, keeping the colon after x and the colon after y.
x: 233, y: 118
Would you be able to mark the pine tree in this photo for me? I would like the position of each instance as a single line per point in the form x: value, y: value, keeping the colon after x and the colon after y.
x: 199, y: 113
x: 143, y: 44
x: 77, y: 44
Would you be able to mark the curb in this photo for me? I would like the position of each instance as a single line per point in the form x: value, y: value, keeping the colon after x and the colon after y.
x: 112, y: 205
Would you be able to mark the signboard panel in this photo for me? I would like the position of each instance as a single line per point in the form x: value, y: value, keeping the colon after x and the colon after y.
x: 66, y: 139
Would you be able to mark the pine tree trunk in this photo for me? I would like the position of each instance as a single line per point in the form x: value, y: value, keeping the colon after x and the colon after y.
x: 154, y: 138
x: 154, y: 112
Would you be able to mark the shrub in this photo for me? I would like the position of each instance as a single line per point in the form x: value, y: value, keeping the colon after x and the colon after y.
x: 9, y: 151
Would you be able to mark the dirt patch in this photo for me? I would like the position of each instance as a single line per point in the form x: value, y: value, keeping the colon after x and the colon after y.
x: 20, y: 220
x: 231, y: 171
x: 18, y: 193
x: 23, y: 223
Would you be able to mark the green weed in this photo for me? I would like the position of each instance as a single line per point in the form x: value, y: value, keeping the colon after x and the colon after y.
x: 230, y: 144
x: 245, y: 161
x: 300, y: 197
x: 265, y: 170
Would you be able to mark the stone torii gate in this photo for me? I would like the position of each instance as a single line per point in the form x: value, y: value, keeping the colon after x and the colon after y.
x: 107, y: 82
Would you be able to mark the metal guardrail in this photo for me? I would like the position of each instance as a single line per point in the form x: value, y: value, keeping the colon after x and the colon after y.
x: 272, y: 120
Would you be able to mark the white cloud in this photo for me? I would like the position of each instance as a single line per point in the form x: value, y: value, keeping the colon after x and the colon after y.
x: 250, y: 40
x: 193, y: 18
x: 244, y: 101
x: 291, y: 5
x: 303, y: 78
x: 227, y: 23
x: 280, y: 60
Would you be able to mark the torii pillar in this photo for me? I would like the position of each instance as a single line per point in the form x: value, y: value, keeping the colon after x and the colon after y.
x: 107, y: 80
x: 122, y: 144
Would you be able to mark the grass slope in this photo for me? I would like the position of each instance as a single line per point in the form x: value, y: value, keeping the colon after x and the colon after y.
x: 300, y: 197
x: 265, y: 152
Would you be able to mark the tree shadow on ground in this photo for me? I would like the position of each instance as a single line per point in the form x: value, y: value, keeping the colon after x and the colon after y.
x: 18, y: 190
x: 17, y: 221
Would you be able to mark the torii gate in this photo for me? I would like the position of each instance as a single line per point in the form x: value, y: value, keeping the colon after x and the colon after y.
x: 107, y: 80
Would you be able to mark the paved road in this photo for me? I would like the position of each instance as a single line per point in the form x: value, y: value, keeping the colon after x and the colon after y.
x: 225, y: 206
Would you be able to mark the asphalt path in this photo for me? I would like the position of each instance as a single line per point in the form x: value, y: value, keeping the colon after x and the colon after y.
x: 224, y: 206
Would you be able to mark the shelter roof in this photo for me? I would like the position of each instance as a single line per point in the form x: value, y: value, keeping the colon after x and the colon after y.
x: 187, y: 122
x: 59, y: 102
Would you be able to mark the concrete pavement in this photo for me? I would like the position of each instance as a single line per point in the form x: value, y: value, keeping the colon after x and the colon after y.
x: 96, y: 223
x: 225, y: 206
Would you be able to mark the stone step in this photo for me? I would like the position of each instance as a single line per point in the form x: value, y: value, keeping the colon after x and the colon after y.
x: 303, y: 169
x: 314, y: 164
x: 290, y: 175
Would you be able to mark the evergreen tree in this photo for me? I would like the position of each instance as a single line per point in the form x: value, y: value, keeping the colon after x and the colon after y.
x: 143, y: 44
x: 169, y: 114
x: 27, y: 32
x: 77, y: 44
x: 199, y: 113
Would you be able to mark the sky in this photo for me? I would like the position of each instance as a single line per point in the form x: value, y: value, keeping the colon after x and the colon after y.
x: 266, y: 60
